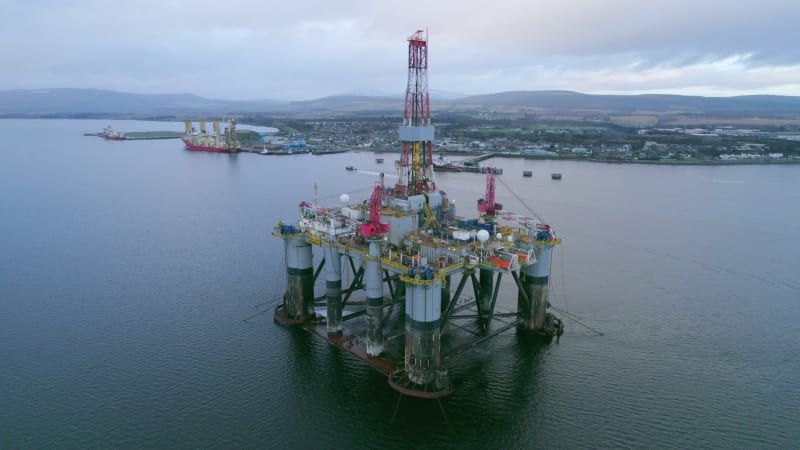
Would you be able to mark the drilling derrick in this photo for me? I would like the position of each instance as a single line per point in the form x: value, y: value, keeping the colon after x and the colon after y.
x: 415, y: 171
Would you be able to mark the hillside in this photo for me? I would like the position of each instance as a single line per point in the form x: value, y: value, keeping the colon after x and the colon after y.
x: 769, y: 105
x: 96, y: 101
x: 546, y: 104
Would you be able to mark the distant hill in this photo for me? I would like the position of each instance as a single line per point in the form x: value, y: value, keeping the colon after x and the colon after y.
x: 346, y: 104
x: 42, y: 102
x: 97, y: 101
x: 571, y: 101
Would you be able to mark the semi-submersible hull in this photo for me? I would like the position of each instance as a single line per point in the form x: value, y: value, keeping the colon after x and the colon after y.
x: 421, y: 284
x: 418, y: 285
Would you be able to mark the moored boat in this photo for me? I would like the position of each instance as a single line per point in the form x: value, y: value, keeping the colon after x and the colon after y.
x: 441, y: 164
x: 217, y: 142
x: 111, y: 135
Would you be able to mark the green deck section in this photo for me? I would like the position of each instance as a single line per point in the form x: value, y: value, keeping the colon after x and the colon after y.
x: 133, y: 135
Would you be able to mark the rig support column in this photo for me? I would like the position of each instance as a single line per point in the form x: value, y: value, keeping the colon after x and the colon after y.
x: 423, y: 321
x: 445, y: 293
x: 374, y: 283
x: 535, y: 281
x: 299, y: 298
x: 333, y: 287
x: 485, y: 300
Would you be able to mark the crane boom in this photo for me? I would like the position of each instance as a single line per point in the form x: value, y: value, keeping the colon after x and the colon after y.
x: 487, y: 205
x: 374, y: 226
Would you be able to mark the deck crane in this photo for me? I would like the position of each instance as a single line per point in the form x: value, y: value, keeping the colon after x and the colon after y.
x: 487, y: 205
x: 373, y: 226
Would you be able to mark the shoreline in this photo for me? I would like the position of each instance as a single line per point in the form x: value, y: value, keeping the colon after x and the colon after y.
x: 670, y: 162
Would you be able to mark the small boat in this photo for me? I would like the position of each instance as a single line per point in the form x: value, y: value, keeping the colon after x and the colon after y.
x: 555, y: 176
x: 527, y: 173
x: 442, y: 164
x: 351, y: 168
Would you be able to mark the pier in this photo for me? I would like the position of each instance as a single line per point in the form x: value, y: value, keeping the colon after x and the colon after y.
x: 473, y: 161
x: 471, y: 164
x: 141, y: 135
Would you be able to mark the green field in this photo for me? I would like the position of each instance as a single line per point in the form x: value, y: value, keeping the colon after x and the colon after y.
x: 568, y: 128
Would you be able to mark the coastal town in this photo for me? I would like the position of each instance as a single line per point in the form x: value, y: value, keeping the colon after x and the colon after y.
x: 525, y: 137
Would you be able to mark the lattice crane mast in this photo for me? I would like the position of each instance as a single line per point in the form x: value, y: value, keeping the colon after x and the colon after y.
x: 373, y: 226
x: 487, y: 205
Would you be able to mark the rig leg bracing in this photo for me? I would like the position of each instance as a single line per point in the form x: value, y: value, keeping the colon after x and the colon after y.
x: 486, y: 278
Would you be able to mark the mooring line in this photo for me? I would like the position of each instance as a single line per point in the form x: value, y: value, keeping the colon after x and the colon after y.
x: 396, y: 405
x: 576, y: 319
x: 447, y: 422
x: 256, y: 314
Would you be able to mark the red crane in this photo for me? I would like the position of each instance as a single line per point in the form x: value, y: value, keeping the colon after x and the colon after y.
x: 373, y: 226
x: 487, y: 205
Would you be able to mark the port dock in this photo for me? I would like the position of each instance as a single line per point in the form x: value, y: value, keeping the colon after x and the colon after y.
x: 472, y: 164
x: 140, y: 135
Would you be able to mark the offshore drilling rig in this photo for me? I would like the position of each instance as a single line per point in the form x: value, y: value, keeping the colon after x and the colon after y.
x: 406, y: 246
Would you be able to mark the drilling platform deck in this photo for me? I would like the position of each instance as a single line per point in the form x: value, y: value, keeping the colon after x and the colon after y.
x: 407, y: 249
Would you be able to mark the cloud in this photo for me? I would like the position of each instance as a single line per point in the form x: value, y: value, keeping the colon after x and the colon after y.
x: 305, y: 48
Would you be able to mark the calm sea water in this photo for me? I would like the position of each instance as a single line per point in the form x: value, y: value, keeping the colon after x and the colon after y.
x: 127, y: 270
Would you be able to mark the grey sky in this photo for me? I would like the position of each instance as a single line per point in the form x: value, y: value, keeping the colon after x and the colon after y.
x: 302, y: 49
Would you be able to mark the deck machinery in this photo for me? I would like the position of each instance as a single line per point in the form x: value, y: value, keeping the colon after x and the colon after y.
x: 407, y: 247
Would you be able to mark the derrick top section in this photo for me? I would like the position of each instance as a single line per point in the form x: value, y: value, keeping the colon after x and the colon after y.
x: 419, y: 36
x: 418, y: 50
x: 417, y: 112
